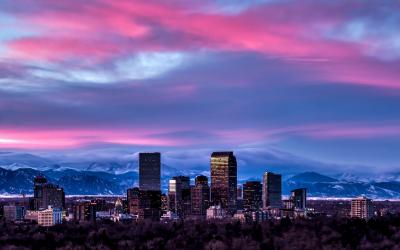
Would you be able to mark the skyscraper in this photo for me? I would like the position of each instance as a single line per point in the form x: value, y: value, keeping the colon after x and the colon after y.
x: 46, y: 194
x: 133, y: 195
x: 149, y: 171
x: 85, y: 211
x: 224, y: 180
x: 149, y: 204
x: 200, y: 196
x: 272, y: 190
x: 361, y: 208
x: 252, y: 195
x: 145, y: 204
x: 179, y: 195
x: 299, y: 198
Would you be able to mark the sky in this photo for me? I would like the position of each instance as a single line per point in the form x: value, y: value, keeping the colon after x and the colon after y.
x: 299, y: 81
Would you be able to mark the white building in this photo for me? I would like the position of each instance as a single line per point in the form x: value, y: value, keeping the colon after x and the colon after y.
x: 216, y: 212
x: 240, y: 216
x: 259, y: 216
x: 104, y: 215
x: 31, y: 215
x: 168, y: 216
x: 49, y: 217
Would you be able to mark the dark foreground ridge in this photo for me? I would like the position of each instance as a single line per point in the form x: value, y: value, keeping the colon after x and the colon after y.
x: 315, y: 233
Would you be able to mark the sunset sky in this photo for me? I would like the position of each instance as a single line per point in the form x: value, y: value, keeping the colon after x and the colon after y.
x: 310, y: 81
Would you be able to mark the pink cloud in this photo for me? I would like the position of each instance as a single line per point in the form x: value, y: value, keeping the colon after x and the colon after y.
x: 288, y: 31
x: 49, y: 139
x: 65, y: 139
x: 58, y: 49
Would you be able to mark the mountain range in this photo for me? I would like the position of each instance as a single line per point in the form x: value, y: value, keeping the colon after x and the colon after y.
x: 17, y: 171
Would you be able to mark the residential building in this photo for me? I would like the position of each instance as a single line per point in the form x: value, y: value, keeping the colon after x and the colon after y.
x: 361, y: 208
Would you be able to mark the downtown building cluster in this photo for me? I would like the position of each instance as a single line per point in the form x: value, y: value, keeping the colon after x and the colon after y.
x: 45, y: 207
x: 218, y: 197
x: 221, y: 198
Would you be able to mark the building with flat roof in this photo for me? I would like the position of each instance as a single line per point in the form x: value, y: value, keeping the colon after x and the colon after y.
x: 179, y: 196
x: 223, y: 167
x: 200, y: 196
x: 149, y: 171
x: 272, y: 190
x: 252, y: 195
x: 85, y: 211
x: 216, y: 213
x: 46, y: 194
x: 299, y: 198
x: 14, y: 213
x: 361, y: 208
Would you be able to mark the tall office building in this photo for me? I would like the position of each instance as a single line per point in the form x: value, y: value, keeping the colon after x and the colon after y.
x: 46, y: 194
x: 252, y: 195
x: 272, y: 190
x: 132, y: 196
x: 224, y: 180
x: 149, y: 171
x: 361, y: 208
x: 299, y: 198
x: 179, y: 195
x: 149, y: 204
x: 85, y: 211
x: 145, y: 204
x: 200, y: 196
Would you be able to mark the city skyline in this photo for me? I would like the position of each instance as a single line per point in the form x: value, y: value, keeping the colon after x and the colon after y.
x: 214, y: 124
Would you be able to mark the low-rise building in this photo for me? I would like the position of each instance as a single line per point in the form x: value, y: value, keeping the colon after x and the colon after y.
x: 216, y: 212
x: 31, y: 215
x: 169, y: 216
x: 240, y: 216
x: 14, y: 213
x: 49, y: 217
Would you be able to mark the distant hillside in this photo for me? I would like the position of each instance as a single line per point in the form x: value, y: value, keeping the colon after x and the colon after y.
x: 75, y: 182
x: 324, y: 186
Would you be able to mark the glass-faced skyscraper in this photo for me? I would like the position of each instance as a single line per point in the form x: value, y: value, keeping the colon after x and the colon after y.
x: 252, y: 195
x: 149, y: 171
x: 272, y: 190
x: 200, y: 196
x: 224, y: 180
x: 179, y: 195
x: 299, y: 198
